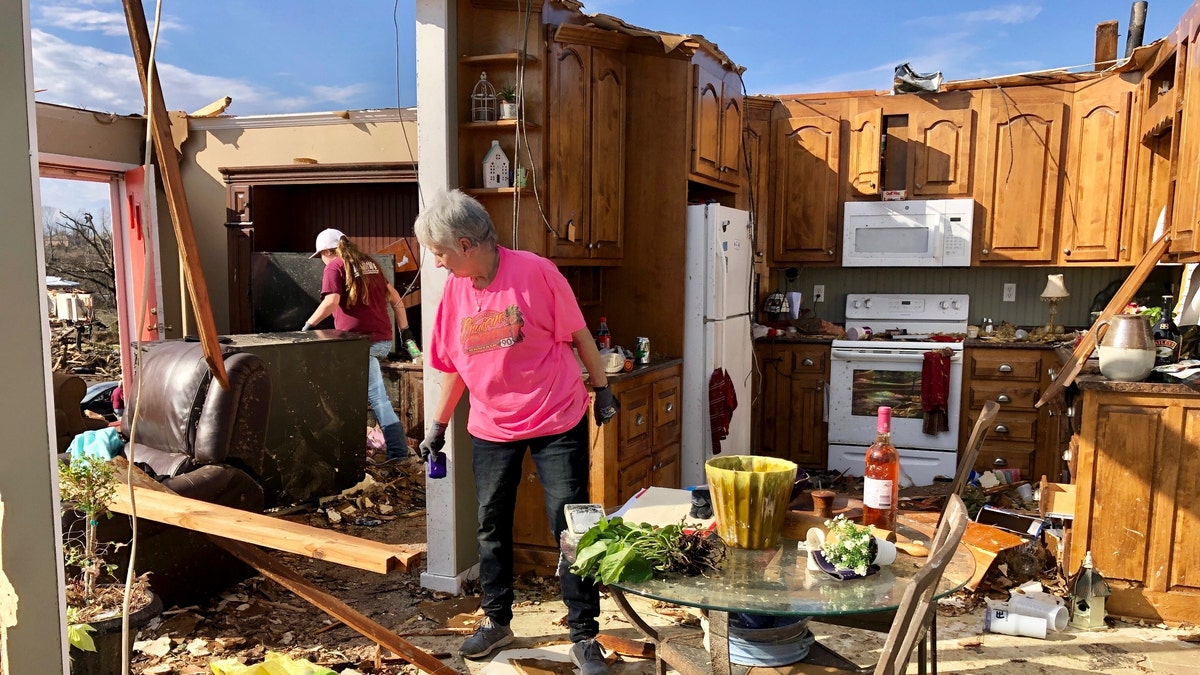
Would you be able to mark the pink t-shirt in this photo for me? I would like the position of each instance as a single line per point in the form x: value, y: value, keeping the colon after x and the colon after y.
x: 511, y: 344
x: 369, y: 318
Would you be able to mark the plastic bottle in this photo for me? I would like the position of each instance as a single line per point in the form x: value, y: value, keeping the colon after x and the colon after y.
x: 881, y: 475
x: 603, y: 337
x: 1166, y: 335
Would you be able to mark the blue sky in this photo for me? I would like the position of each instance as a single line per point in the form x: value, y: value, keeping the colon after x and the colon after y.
x: 287, y: 56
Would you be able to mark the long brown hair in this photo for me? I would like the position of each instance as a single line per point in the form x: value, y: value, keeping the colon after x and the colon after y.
x: 357, y: 266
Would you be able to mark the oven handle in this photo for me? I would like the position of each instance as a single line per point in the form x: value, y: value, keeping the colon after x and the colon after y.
x: 854, y: 355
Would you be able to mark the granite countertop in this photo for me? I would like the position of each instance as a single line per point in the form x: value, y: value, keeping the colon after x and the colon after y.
x: 798, y: 338
x: 1101, y: 383
x: 657, y: 362
x: 1014, y: 344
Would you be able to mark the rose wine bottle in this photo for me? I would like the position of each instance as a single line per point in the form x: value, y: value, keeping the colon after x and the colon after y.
x: 881, y: 476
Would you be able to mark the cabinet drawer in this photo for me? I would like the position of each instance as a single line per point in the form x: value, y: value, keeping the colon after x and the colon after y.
x: 635, y: 414
x: 666, y: 411
x: 810, y: 360
x: 994, y: 365
x: 632, y: 477
x: 1010, y: 426
x: 1010, y: 395
x: 1016, y: 455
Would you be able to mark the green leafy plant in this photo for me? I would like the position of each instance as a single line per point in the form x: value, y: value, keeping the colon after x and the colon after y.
x: 1152, y: 313
x: 508, y: 93
x: 848, y: 545
x: 613, y: 551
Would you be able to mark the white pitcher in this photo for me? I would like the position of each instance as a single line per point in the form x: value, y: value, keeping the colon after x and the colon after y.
x: 1126, y: 347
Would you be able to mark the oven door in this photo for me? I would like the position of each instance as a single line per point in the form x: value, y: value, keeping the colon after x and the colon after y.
x: 863, y: 378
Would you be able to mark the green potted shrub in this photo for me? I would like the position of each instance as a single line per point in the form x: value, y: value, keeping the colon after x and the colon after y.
x: 509, y: 103
x: 94, y: 596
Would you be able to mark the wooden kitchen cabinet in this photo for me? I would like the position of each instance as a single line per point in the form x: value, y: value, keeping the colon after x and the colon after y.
x: 1093, y: 208
x: 639, y: 449
x: 806, y: 216
x: 585, y: 147
x: 1185, y: 215
x: 941, y: 135
x: 790, y: 420
x: 1022, y: 436
x: 717, y: 121
x: 1138, y: 482
x: 1019, y: 157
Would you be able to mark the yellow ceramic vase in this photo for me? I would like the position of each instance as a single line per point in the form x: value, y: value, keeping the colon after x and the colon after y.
x: 750, y: 498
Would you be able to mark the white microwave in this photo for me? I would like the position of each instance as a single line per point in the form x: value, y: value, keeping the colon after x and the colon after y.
x: 914, y: 233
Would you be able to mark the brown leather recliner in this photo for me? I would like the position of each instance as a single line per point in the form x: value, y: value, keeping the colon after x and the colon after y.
x: 202, y: 442
x: 69, y: 421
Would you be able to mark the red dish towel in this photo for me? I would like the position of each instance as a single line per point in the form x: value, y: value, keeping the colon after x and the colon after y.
x: 935, y: 391
x: 722, y: 401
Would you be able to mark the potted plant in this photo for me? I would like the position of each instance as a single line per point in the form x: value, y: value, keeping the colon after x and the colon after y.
x: 95, y: 598
x: 508, y: 102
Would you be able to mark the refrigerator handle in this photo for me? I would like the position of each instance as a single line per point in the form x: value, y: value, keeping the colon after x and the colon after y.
x: 825, y: 410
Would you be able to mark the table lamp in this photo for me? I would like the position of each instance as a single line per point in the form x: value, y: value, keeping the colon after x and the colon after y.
x: 1054, y: 291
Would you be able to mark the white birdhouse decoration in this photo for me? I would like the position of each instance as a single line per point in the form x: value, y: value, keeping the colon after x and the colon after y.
x: 495, y: 167
x: 1088, y: 590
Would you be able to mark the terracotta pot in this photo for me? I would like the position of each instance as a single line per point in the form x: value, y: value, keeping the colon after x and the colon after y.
x: 106, y: 660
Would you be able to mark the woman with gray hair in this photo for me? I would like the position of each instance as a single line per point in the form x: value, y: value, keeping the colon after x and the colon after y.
x: 504, y: 332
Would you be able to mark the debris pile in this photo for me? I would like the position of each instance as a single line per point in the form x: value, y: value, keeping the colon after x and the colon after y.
x: 84, y: 348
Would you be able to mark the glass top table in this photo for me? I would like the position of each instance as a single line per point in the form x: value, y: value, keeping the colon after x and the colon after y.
x: 777, y: 581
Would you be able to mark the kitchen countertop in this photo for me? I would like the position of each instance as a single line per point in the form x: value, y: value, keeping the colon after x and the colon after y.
x: 1013, y: 344
x: 1101, y: 383
x: 657, y: 362
x: 799, y: 338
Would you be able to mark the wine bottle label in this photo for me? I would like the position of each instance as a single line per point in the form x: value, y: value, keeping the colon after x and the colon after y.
x: 877, y: 494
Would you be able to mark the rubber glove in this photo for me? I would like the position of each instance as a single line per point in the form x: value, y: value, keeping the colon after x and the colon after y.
x: 435, y: 438
x: 606, y: 406
x: 306, y: 327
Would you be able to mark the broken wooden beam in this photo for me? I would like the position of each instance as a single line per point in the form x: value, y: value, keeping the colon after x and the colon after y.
x: 274, y: 570
x: 260, y: 530
x: 172, y: 178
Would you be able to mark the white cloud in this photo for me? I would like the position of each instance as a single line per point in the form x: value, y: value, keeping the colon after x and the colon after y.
x: 1002, y: 14
x: 82, y: 16
x: 87, y: 77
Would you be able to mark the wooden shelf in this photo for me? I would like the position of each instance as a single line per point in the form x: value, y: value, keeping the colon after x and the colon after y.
x: 502, y: 58
x: 492, y: 192
x: 498, y: 124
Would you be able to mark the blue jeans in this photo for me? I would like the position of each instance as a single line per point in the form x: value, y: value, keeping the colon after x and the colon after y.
x: 562, y: 464
x: 377, y: 396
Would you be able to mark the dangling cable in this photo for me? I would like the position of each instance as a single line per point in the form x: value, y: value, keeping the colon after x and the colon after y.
x: 147, y: 188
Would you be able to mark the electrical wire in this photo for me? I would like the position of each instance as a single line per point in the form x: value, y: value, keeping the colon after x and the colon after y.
x: 407, y: 143
x: 147, y: 189
x: 521, y: 126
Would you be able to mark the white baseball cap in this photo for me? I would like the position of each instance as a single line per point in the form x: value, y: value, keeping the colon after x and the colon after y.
x: 326, y: 240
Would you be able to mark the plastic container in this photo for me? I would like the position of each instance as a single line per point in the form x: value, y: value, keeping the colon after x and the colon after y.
x: 750, y: 496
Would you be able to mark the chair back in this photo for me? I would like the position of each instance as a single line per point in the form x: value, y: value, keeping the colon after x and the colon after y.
x: 974, y: 442
x: 917, y: 606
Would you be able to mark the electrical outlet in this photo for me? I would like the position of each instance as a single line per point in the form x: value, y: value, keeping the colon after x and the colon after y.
x: 1010, y: 292
x: 819, y: 293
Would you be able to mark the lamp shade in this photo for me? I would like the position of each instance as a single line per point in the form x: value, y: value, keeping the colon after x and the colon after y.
x: 1054, y: 287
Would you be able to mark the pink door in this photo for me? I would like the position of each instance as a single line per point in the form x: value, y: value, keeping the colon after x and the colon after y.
x: 135, y: 258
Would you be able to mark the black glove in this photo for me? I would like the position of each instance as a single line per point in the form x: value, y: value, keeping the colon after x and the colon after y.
x: 606, y: 406
x: 435, y: 438
x: 307, y: 326
x: 406, y: 334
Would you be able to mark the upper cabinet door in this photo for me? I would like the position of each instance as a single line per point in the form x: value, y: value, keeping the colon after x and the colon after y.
x: 568, y: 152
x: 706, y: 133
x: 732, y: 123
x: 866, y: 133
x: 1021, y: 150
x: 608, y: 153
x: 1093, y: 201
x: 806, y: 162
x: 940, y: 155
x: 1186, y: 211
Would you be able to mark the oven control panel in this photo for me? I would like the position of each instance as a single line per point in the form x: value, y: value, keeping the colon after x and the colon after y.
x: 908, y: 307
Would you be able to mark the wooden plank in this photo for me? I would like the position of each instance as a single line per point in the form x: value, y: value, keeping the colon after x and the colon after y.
x: 1066, y: 375
x: 181, y: 216
x: 261, y: 530
x: 1106, y: 45
x: 272, y: 569
x: 985, y: 543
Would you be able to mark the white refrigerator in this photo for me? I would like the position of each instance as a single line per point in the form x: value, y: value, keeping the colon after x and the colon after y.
x: 716, y: 332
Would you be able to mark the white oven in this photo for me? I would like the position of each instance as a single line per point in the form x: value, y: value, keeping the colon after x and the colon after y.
x: 886, y: 370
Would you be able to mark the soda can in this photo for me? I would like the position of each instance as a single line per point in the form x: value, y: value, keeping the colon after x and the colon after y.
x: 643, y: 350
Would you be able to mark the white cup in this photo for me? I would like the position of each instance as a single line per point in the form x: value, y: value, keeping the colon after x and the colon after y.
x: 885, y: 552
x: 1001, y: 619
x: 1043, y: 605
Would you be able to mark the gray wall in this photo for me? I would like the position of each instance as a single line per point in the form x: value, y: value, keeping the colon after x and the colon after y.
x: 984, y: 285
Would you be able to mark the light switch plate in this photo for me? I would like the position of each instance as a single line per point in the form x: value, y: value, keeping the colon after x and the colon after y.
x: 819, y: 293
x: 1010, y: 292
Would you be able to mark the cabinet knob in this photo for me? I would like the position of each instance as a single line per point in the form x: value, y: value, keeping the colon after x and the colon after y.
x: 1003, y: 398
x: 1001, y: 429
x: 1000, y: 462
x: 1066, y: 251
x: 670, y: 407
x: 918, y: 185
x: 983, y: 251
x: 639, y: 419
x: 1004, y: 368
x: 807, y: 362
x: 829, y: 252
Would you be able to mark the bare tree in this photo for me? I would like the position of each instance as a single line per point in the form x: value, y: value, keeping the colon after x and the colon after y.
x: 80, y: 249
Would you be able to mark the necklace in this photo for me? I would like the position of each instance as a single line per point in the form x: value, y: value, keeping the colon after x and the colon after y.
x: 487, y: 281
